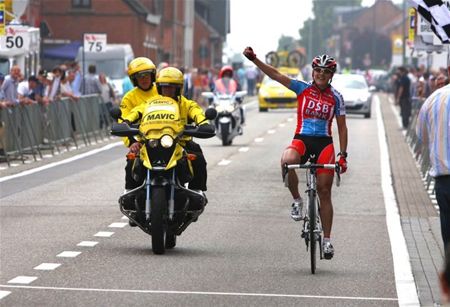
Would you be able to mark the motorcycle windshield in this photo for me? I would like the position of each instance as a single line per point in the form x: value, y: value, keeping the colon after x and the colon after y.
x: 161, y: 116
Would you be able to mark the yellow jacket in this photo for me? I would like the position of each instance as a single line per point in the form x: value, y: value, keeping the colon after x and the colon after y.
x: 134, y: 98
x: 190, y: 112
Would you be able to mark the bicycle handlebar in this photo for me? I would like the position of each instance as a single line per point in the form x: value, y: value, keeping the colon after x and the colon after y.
x: 335, y: 167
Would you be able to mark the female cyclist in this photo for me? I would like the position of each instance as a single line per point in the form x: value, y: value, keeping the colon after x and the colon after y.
x: 318, y: 103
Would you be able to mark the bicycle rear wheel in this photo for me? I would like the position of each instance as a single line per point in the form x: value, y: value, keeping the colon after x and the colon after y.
x: 312, y: 227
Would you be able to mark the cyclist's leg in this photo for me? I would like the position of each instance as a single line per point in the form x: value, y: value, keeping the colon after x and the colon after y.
x: 324, y: 184
x: 292, y: 155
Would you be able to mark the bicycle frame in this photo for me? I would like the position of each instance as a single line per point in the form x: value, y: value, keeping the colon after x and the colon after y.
x: 312, y: 226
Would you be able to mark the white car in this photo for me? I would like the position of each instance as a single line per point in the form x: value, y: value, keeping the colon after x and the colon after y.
x: 357, y: 94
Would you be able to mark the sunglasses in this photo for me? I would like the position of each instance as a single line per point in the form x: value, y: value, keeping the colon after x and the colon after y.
x: 144, y: 74
x: 325, y: 71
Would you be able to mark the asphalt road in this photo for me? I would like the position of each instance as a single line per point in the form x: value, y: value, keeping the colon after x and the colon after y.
x: 243, y: 251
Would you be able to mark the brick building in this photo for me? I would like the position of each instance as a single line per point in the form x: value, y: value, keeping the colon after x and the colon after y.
x: 182, y: 32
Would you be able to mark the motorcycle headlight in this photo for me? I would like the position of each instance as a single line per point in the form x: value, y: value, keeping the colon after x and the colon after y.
x: 229, y: 108
x: 153, y: 143
x: 166, y: 141
x: 219, y: 109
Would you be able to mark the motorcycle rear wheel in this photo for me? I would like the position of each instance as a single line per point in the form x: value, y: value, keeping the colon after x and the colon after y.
x: 157, y: 219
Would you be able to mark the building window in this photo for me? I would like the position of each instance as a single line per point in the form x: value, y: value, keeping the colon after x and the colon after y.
x: 81, y: 4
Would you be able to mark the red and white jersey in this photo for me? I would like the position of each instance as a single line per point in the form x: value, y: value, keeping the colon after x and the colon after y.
x: 316, y: 108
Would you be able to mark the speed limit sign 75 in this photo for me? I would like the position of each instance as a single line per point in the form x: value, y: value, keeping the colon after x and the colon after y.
x: 94, y: 42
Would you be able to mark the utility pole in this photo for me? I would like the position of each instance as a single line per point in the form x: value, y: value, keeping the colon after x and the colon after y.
x: 404, y: 34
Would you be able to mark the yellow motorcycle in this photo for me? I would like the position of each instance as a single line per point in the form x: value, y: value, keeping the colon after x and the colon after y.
x: 163, y: 205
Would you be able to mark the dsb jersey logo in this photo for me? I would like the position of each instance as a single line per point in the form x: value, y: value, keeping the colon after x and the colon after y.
x: 321, y: 110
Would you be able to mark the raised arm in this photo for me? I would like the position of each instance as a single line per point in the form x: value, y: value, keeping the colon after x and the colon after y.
x: 271, y: 71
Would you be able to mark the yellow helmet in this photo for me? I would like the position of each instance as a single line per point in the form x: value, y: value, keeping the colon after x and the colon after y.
x: 140, y: 64
x: 170, y: 76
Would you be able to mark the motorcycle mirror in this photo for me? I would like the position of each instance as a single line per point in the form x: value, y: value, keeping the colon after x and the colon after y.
x: 208, y: 95
x: 123, y: 130
x: 241, y: 93
x: 211, y: 113
x: 115, y: 113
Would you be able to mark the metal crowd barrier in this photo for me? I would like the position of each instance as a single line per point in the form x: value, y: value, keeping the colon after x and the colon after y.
x: 421, y: 153
x: 32, y: 129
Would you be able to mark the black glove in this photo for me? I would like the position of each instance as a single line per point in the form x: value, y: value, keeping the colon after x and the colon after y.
x: 208, y: 128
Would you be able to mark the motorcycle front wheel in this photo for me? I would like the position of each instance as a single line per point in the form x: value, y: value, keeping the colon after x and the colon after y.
x: 225, y: 134
x: 157, y: 220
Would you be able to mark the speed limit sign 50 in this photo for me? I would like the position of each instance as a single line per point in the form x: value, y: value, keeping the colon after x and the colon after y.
x: 94, y: 42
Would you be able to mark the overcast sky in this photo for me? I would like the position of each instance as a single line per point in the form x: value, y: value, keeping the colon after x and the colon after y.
x: 260, y: 23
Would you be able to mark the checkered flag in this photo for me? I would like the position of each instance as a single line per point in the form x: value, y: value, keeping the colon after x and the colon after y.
x: 437, y: 14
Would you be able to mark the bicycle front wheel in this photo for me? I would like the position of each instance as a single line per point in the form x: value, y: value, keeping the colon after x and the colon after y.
x: 312, y: 214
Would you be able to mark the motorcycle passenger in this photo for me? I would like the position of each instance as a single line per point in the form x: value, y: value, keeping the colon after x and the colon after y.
x: 170, y: 83
x: 318, y: 103
x: 226, y: 84
x: 141, y: 72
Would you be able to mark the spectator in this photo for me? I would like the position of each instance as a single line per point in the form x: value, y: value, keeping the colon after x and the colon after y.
x: 108, y: 97
x: 66, y: 89
x: 441, y: 80
x: 29, y: 91
x: 76, y: 82
x: 56, y: 82
x: 402, y: 95
x: 251, y: 75
x: 3, y: 105
x: 126, y: 84
x: 9, y: 86
x: 91, y: 83
x: 433, y: 131
x: 241, y: 77
x: 445, y: 278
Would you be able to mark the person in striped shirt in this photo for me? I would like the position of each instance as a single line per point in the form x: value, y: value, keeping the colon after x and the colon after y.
x: 433, y: 130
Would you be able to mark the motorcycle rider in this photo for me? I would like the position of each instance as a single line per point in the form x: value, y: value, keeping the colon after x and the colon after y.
x: 318, y: 103
x: 141, y: 72
x: 170, y: 83
x: 226, y: 84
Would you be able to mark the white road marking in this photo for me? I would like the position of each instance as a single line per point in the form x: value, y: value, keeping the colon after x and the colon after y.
x: 404, y: 280
x: 290, y: 119
x: 104, y: 234
x: 325, y: 297
x: 271, y: 131
x: 22, y: 280
x: 47, y: 266
x: 47, y: 156
x: 87, y: 243
x: 224, y: 162
x: 244, y: 149
x: 259, y: 140
x: 68, y: 254
x: 282, y: 124
x: 50, y: 165
x: 125, y: 218
x: 118, y: 225
x: 4, y: 294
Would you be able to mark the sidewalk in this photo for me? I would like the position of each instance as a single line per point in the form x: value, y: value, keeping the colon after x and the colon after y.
x: 419, y: 217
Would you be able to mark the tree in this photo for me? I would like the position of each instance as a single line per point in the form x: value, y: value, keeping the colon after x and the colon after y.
x: 285, y: 43
x: 315, y: 32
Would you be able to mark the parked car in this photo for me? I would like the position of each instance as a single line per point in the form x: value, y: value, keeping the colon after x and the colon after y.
x: 273, y: 95
x: 357, y: 94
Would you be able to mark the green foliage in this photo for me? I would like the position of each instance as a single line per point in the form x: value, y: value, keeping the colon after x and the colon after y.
x: 285, y: 43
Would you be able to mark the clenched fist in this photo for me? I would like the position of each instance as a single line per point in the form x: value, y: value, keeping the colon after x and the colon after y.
x: 249, y: 54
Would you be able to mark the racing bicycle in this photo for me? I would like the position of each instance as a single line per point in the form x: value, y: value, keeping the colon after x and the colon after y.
x: 312, y: 226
